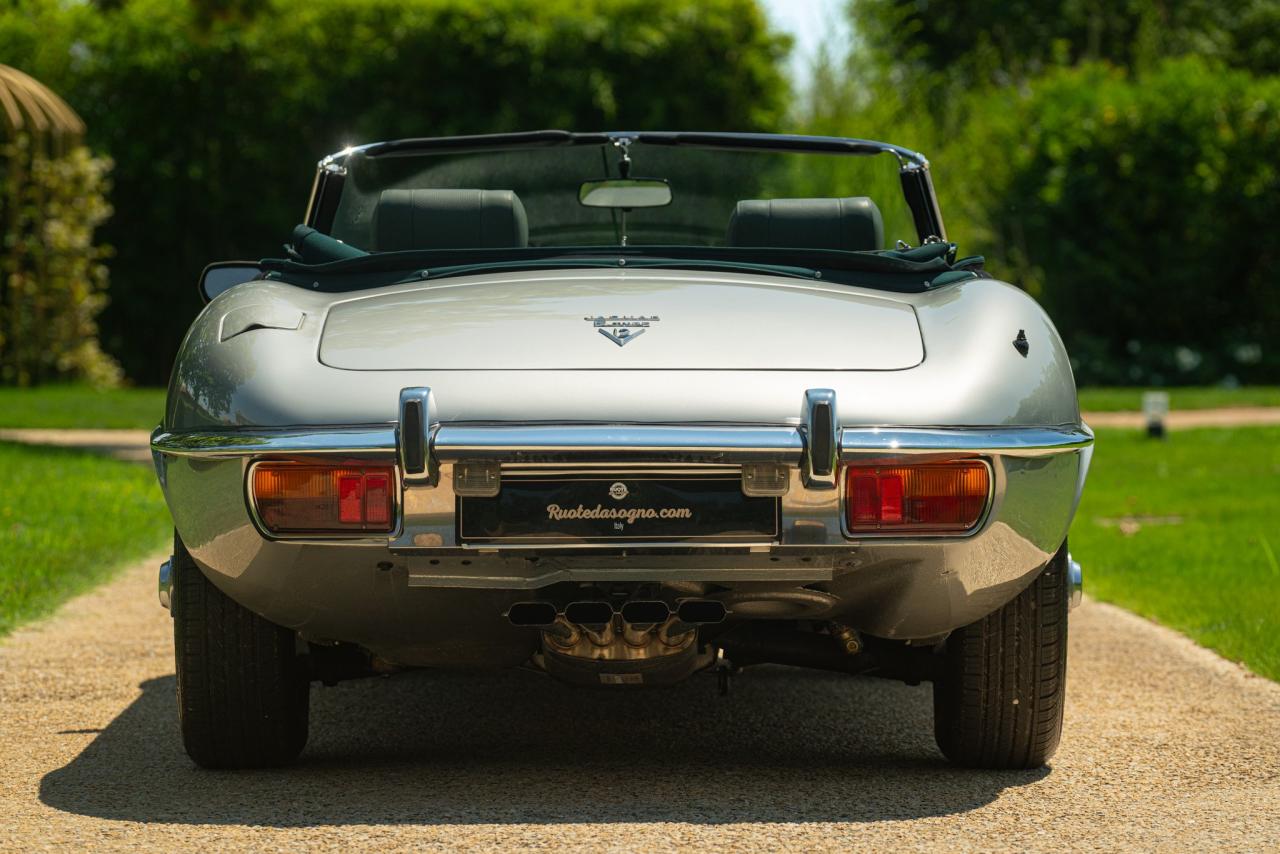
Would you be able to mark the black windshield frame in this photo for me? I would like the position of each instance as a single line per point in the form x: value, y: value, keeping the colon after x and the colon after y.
x: 913, y: 168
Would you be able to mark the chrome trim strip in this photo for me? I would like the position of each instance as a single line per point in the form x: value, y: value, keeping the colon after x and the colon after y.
x: 515, y: 471
x: 856, y: 442
x: 515, y: 573
x: 717, y: 444
x: 665, y: 547
x: 624, y: 442
x: 336, y: 440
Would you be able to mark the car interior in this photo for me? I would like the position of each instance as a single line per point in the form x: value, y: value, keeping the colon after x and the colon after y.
x: 414, y: 219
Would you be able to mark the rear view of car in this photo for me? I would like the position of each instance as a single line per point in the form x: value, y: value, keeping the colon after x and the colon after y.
x: 628, y: 408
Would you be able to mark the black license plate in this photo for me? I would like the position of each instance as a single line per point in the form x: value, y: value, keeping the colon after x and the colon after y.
x: 597, y: 509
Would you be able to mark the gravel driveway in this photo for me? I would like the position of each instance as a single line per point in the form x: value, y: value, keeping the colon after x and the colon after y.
x: 1167, y: 746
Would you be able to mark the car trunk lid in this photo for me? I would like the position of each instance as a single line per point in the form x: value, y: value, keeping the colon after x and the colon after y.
x: 585, y: 320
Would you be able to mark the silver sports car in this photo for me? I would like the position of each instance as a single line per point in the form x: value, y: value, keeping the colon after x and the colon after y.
x: 625, y: 409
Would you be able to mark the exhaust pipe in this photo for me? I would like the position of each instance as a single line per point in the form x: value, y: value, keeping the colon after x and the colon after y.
x: 644, y: 612
x: 537, y: 614
x: 588, y: 613
x: 701, y: 612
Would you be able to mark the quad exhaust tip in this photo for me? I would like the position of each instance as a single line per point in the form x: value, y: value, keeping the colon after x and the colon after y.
x: 642, y: 612
x: 588, y: 613
x: 701, y: 612
x: 532, y: 614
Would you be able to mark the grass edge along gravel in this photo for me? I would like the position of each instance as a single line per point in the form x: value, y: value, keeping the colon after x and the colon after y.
x: 1182, y: 531
x: 1129, y: 399
x: 70, y: 520
x: 81, y: 407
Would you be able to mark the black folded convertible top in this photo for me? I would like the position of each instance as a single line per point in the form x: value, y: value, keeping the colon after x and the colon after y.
x: 328, y: 265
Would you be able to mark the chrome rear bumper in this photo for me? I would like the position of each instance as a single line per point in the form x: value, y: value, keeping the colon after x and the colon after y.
x: 812, y: 533
x: 622, y: 442
x: 1035, y: 477
x: 890, y: 585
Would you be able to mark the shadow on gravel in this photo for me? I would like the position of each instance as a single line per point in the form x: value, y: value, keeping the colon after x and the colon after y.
x: 424, y: 748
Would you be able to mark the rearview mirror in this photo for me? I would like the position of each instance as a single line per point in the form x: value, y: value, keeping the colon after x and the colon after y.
x: 224, y: 275
x: 625, y: 193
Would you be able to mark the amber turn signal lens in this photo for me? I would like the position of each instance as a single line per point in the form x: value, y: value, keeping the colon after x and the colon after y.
x: 296, y: 498
x: 930, y: 498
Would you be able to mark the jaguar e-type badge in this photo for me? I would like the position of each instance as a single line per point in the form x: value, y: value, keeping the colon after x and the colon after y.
x: 622, y: 330
x: 618, y: 491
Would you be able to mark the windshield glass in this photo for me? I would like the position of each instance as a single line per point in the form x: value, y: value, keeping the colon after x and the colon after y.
x: 575, y: 196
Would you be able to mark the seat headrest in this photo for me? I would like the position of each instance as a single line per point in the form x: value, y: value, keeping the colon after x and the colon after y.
x: 449, y: 219
x: 852, y: 224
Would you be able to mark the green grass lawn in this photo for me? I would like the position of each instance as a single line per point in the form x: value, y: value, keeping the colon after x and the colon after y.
x: 81, y: 406
x: 1192, y: 397
x: 68, y: 520
x: 1184, y: 531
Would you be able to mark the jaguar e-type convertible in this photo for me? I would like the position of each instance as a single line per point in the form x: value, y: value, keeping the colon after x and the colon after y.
x: 625, y: 409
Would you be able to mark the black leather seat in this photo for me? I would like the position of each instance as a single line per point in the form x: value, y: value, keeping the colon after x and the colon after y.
x: 852, y: 224
x: 449, y: 219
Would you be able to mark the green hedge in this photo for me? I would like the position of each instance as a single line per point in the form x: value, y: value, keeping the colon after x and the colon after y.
x: 947, y: 46
x: 1141, y: 211
x: 215, y: 115
x: 52, y: 279
x: 1118, y: 160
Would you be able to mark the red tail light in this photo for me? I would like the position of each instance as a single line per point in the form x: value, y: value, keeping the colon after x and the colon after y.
x: 297, y: 498
x: 930, y: 498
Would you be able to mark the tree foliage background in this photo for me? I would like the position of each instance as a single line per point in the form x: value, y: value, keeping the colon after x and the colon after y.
x: 216, y: 113
x: 1116, y: 158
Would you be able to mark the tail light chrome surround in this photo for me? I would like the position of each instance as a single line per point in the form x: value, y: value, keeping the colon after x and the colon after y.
x: 969, y: 511
x: 330, y: 498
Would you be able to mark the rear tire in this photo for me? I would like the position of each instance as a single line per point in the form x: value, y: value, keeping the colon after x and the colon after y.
x: 999, y: 702
x: 243, y: 691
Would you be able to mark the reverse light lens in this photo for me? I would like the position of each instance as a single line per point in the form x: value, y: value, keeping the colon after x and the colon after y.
x: 930, y: 498
x: 294, y: 498
x: 765, y: 479
x: 477, y: 479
